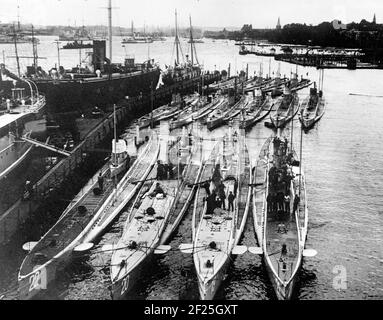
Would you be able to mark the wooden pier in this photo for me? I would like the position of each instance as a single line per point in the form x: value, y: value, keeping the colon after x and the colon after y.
x: 318, y: 60
x: 22, y: 209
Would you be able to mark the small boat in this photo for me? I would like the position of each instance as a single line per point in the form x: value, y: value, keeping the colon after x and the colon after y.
x: 209, y: 108
x: 257, y: 83
x: 283, y: 215
x: 187, y: 189
x: 240, y: 106
x: 77, y: 45
x: 276, y: 84
x: 220, y: 229
x: 137, y: 39
x: 227, y: 85
x: 303, y: 83
x: 202, y: 193
x: 84, y: 219
x: 187, y: 115
x: 134, y: 38
x: 196, y: 41
x: 287, y: 108
x: 146, y: 224
x: 125, y: 189
x: 162, y: 113
x: 257, y: 110
x: 221, y: 115
x: 223, y: 84
x: 312, y: 109
x: 259, y: 191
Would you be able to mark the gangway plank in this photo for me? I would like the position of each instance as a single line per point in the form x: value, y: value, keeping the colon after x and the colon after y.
x: 46, y: 146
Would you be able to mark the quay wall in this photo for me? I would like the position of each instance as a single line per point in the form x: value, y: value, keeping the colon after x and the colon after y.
x: 19, y: 212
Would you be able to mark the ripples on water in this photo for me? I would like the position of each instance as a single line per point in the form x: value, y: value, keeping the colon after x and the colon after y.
x: 343, y: 161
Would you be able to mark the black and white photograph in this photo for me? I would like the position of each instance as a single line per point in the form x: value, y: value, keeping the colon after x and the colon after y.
x: 194, y: 150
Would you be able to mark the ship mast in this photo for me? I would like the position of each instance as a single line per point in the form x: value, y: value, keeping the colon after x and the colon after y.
x: 115, y: 135
x: 192, y: 45
x: 110, y: 29
x: 300, y: 160
x: 177, y: 41
x: 34, y: 50
x: 16, y: 53
x: 191, y: 41
x: 18, y: 18
x: 58, y: 53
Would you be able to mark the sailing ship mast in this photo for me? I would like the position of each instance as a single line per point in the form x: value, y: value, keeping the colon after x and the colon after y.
x: 300, y: 162
x: 110, y: 33
x: 34, y: 51
x: 191, y: 42
x: 192, y: 45
x: 115, y: 133
x: 18, y: 18
x: 177, y: 41
x: 58, y: 53
x: 16, y: 52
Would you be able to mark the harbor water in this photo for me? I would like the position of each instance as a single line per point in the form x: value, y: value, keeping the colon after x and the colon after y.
x: 342, y: 159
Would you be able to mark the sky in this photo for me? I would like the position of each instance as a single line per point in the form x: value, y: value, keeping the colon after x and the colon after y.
x: 205, y: 13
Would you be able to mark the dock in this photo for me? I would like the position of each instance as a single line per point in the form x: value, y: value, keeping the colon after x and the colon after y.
x: 319, y: 60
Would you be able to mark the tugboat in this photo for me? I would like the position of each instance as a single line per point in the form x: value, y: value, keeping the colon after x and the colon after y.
x: 136, y: 39
x: 187, y: 70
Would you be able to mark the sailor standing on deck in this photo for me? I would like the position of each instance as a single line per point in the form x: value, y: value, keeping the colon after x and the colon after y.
x: 161, y: 171
x: 296, y: 203
x: 217, y: 177
x: 206, y: 186
x: 100, y: 181
x: 287, y: 203
x: 222, y: 196
x: 231, y: 198
x: 210, y: 201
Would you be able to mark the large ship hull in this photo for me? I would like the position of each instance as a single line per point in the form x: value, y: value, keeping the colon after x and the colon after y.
x: 14, y: 151
x: 13, y: 156
x: 80, y: 94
